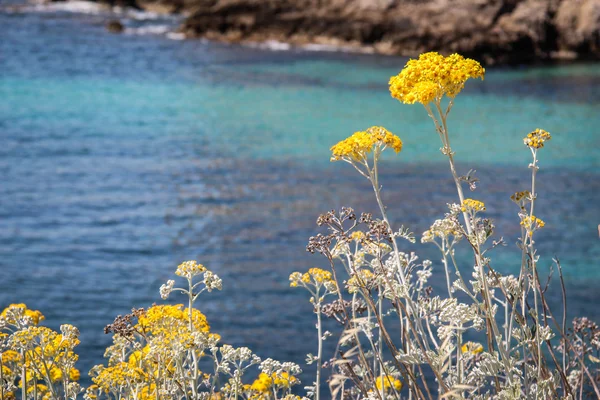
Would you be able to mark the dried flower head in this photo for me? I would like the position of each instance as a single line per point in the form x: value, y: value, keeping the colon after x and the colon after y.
x: 433, y: 76
x: 518, y: 196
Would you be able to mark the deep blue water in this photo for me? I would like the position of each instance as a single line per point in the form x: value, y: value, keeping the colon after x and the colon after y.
x: 124, y: 155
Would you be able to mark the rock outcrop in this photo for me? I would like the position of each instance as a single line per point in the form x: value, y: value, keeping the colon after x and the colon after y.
x: 494, y: 31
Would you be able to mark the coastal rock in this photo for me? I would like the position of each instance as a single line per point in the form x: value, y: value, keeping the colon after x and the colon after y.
x: 115, y: 26
x: 578, y: 24
x: 506, y: 31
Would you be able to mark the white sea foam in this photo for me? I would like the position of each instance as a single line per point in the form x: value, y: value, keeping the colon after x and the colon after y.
x: 334, y: 48
x: 79, y: 7
x: 274, y: 45
x: 149, y: 30
x: 88, y: 7
x: 175, y: 35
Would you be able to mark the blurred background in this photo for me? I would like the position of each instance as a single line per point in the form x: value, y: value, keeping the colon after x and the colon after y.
x: 139, y: 135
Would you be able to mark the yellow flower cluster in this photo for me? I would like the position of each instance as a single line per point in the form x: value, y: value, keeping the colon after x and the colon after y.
x: 361, y: 279
x: 163, y: 340
x: 357, y: 146
x: 34, y: 354
x: 536, y: 139
x: 388, y: 382
x: 115, y: 377
x: 472, y: 205
x: 189, y: 269
x: 317, y: 276
x: 532, y: 223
x: 170, y: 320
x: 357, y: 236
x: 433, y: 76
x: 265, y: 382
x: 17, y: 310
x: 472, y: 348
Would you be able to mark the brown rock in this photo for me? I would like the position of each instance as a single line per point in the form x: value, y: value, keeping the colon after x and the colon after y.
x: 490, y: 30
x: 578, y: 25
x: 115, y: 26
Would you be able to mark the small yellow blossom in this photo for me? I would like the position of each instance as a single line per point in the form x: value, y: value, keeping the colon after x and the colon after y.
x: 283, y: 379
x: 262, y: 384
x: 388, y: 382
x: 318, y: 276
x: 74, y: 374
x: 357, y: 236
x: 472, y: 205
x: 472, y: 347
x: 21, y: 309
x: 361, y: 279
x: 9, y: 396
x: 189, y: 269
x: 10, y: 356
x: 55, y: 374
x: 357, y: 146
x: 433, y: 76
x: 532, y: 223
x: 536, y: 139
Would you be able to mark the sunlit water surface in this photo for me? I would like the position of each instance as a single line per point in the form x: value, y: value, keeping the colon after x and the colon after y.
x: 123, y: 155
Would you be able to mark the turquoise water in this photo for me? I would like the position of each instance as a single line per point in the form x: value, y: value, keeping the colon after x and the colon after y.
x: 124, y: 155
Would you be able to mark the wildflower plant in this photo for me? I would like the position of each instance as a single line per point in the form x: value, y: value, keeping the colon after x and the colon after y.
x: 36, y: 361
x: 429, y: 357
x: 169, y: 352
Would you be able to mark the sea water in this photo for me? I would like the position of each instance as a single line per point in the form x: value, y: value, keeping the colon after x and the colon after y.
x: 124, y: 155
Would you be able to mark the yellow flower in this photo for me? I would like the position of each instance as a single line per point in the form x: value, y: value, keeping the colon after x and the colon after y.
x: 316, y: 276
x: 387, y: 382
x: 6, y: 371
x: 41, y: 389
x: 361, y: 279
x: 433, y: 76
x: 74, y: 374
x: 472, y: 347
x: 55, y: 374
x: 262, y: 384
x: 357, y: 236
x: 283, y: 379
x: 10, y: 356
x: 532, y: 224
x: 472, y: 205
x: 8, y: 312
x: 189, y: 269
x: 357, y: 146
x: 161, y: 319
x: 536, y: 139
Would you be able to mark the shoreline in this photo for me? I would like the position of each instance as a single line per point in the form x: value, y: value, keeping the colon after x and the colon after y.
x: 184, y: 26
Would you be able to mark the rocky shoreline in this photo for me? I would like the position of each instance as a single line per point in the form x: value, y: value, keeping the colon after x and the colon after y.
x: 493, y: 31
